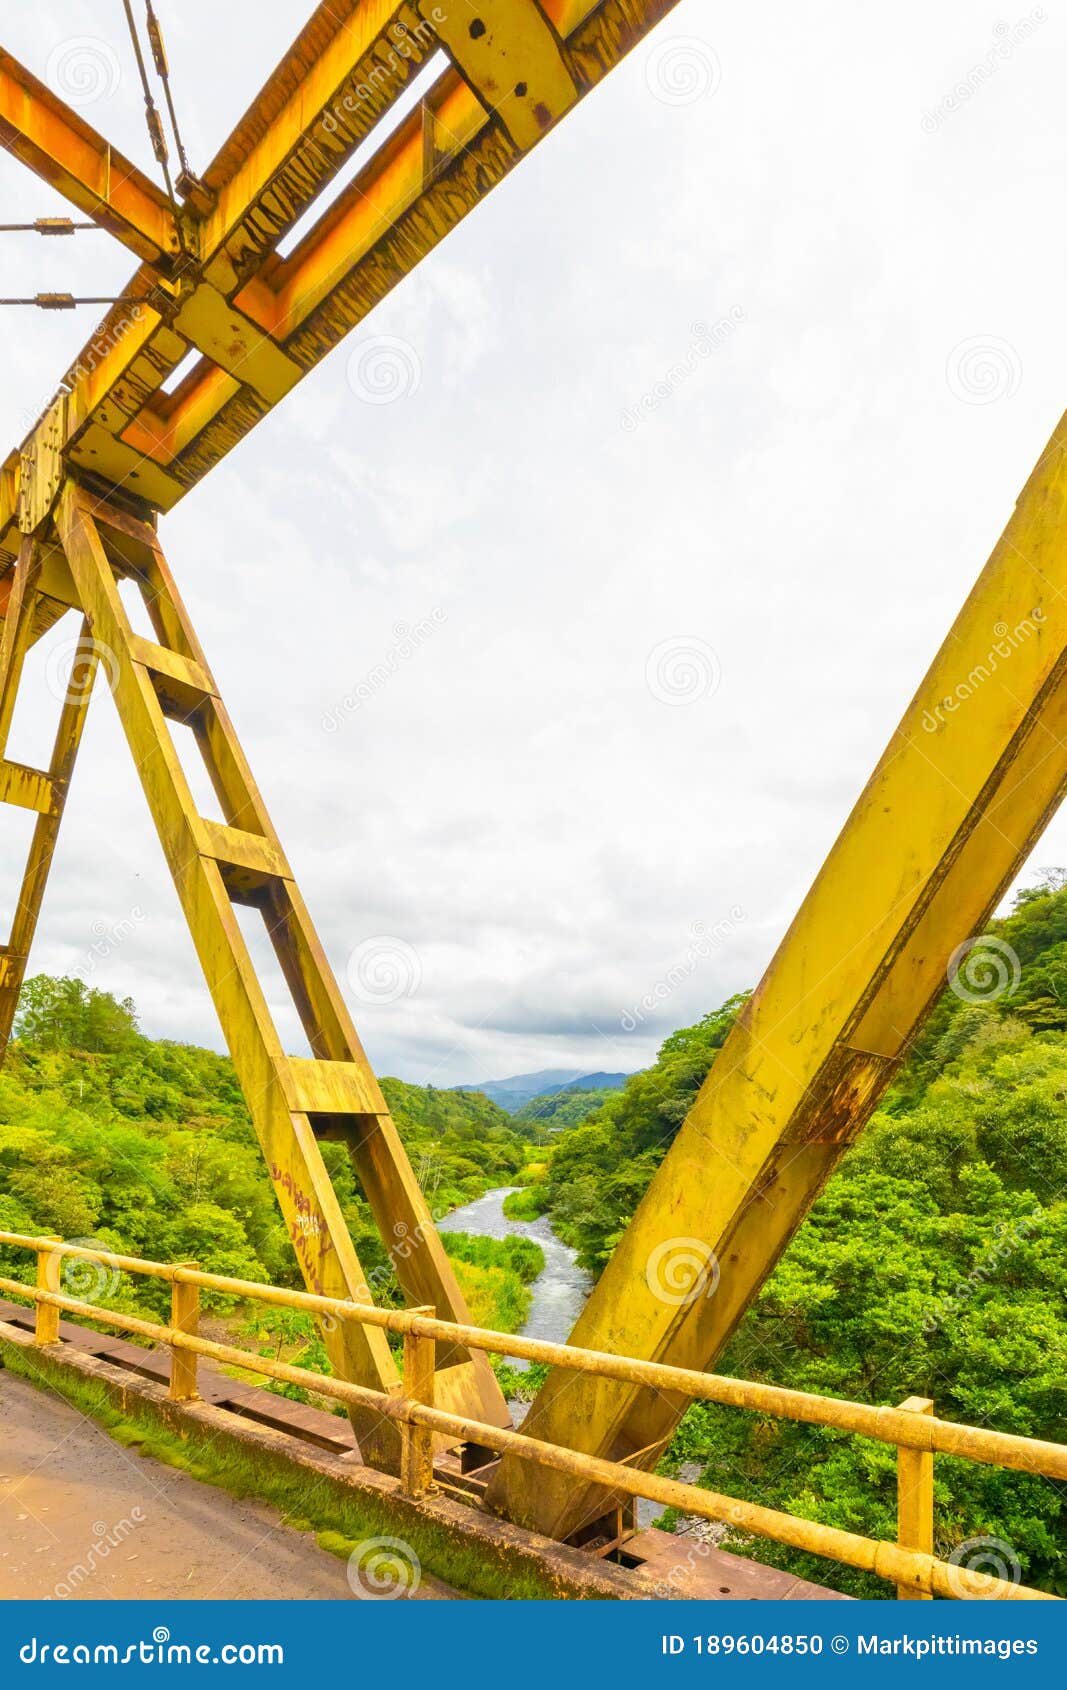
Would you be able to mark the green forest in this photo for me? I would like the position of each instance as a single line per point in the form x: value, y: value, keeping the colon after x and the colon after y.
x: 934, y: 1263
x: 544, y: 1116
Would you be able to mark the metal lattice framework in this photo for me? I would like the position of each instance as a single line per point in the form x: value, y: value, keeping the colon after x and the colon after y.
x: 943, y: 826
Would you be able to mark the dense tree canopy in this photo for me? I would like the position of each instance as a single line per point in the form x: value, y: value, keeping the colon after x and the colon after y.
x: 567, y: 1106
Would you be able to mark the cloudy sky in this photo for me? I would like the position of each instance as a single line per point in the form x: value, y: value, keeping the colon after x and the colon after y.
x: 561, y: 669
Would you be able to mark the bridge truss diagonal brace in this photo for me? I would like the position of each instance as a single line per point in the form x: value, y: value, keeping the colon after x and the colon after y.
x: 971, y: 777
x: 30, y: 609
x: 293, y: 1101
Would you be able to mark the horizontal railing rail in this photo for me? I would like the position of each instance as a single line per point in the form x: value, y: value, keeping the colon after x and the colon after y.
x: 913, y: 1429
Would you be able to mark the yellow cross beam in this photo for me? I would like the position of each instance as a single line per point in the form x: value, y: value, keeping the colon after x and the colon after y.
x: 58, y: 145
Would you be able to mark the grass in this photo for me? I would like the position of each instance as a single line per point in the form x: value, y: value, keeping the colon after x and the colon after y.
x: 522, y: 1256
x: 495, y: 1275
x: 341, y: 1525
x: 520, y: 1384
x: 527, y: 1204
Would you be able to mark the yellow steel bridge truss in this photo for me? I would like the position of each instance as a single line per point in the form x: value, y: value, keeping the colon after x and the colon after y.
x: 941, y: 829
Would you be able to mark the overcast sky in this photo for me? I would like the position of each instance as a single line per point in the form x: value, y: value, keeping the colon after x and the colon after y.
x: 561, y: 669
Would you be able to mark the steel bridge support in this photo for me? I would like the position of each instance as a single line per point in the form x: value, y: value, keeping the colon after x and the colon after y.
x: 969, y: 780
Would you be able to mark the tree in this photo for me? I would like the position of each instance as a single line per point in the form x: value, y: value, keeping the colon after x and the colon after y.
x: 67, y: 1014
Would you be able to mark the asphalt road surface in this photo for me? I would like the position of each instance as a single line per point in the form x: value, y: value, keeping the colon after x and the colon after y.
x: 82, y: 1517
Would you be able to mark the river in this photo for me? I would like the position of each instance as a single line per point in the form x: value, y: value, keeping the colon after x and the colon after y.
x: 559, y: 1293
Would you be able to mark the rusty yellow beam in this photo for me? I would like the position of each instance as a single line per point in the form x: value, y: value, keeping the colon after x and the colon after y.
x: 262, y: 320
x: 509, y: 54
x: 341, y: 74
x: 969, y: 780
x: 915, y: 1497
x: 59, y: 146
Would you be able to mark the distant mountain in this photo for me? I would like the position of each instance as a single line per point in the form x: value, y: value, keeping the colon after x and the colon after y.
x: 512, y: 1093
x: 597, y: 1082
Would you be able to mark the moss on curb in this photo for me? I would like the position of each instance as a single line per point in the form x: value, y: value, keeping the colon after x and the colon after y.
x: 305, y: 1501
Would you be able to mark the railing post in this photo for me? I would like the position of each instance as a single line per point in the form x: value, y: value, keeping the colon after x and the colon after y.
x: 915, y: 1499
x: 184, y: 1317
x: 46, y: 1318
x: 416, y: 1442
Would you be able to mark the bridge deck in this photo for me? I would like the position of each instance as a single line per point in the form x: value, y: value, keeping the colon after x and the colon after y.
x: 81, y: 1516
x: 686, y: 1567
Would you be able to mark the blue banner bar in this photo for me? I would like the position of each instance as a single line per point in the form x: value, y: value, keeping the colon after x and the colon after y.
x: 438, y: 1645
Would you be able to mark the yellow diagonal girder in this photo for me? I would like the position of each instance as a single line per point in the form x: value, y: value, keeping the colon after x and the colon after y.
x: 968, y: 782
x: 215, y: 865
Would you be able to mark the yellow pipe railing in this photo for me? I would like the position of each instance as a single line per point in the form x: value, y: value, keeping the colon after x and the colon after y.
x: 912, y: 1428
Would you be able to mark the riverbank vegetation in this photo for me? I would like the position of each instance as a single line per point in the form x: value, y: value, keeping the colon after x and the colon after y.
x: 526, y: 1204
